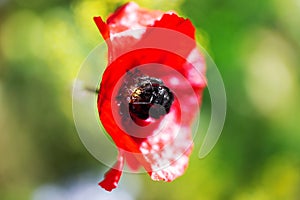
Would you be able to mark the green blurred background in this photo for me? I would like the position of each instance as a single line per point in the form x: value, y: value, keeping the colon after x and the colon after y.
x: 256, y: 46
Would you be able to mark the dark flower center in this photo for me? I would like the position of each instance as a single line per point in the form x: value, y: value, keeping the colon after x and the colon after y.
x: 150, y: 98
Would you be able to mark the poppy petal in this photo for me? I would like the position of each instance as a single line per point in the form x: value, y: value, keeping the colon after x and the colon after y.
x: 131, y: 16
x: 112, y: 177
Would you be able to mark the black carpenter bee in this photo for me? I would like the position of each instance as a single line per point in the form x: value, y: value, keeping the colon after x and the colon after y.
x: 150, y: 98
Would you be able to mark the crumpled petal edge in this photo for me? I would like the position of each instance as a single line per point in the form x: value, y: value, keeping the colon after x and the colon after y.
x: 112, y: 177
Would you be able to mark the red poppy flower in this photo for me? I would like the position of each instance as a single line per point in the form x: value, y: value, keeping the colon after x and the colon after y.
x: 150, y: 91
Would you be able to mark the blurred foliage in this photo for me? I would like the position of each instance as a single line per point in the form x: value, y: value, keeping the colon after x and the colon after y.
x: 256, y: 46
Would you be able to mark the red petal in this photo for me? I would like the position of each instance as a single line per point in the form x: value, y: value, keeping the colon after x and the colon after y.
x: 131, y: 16
x: 169, y: 149
x: 112, y: 177
x: 132, y: 161
x: 103, y: 27
x: 173, y: 22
